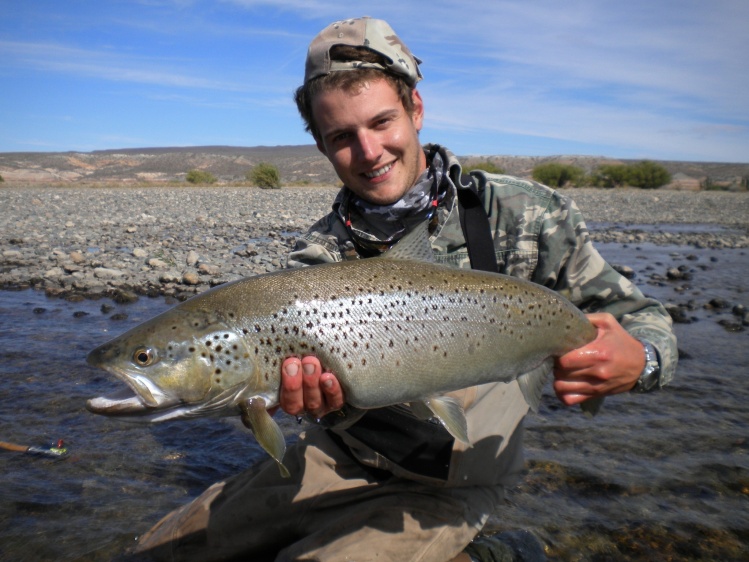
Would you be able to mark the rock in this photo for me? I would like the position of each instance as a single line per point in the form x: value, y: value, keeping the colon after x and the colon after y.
x: 718, y: 303
x: 156, y: 263
x: 191, y: 278
x: 731, y: 325
x: 108, y: 273
x: 139, y: 253
x: 77, y: 257
x: 678, y: 313
x: 192, y: 258
x: 207, y: 269
x: 623, y: 270
x: 170, y: 277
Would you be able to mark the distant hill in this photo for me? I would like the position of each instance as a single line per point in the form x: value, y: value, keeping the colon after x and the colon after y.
x: 301, y: 164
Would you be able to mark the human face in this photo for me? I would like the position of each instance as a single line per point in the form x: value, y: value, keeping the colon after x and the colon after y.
x: 371, y: 140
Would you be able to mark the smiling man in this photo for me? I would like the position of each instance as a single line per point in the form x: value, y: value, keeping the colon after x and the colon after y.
x: 389, y: 485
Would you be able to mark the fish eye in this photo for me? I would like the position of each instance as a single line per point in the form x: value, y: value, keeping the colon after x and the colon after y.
x: 143, y: 356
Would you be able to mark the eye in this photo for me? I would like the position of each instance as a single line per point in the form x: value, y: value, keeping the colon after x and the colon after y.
x: 143, y: 356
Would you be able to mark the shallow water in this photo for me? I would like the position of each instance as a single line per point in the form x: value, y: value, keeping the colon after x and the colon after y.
x: 662, y: 476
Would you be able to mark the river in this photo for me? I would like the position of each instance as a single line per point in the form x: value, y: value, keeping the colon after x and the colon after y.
x: 661, y: 476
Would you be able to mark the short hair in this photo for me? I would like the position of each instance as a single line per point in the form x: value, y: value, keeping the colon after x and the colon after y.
x: 349, y: 81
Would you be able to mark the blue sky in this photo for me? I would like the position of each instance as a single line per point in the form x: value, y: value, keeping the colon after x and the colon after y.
x: 654, y: 79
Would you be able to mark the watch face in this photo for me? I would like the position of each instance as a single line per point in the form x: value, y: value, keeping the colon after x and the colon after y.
x: 651, y: 373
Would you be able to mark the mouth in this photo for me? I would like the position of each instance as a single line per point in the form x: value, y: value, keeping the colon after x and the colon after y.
x: 379, y: 172
x: 141, y: 398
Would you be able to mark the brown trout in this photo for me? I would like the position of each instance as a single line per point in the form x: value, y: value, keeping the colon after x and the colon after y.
x: 393, y: 329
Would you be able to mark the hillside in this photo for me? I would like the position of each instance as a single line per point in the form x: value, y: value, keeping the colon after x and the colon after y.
x: 298, y: 165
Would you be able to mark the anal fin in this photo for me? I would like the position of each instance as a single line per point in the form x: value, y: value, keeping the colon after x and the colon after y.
x: 450, y: 414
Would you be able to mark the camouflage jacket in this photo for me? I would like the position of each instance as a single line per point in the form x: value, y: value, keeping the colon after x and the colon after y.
x: 539, y: 235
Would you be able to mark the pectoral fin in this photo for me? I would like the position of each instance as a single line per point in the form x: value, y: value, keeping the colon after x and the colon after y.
x: 265, y: 430
x: 450, y: 413
x: 532, y: 383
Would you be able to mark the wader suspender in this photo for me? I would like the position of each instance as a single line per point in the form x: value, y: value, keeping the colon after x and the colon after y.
x: 475, y: 225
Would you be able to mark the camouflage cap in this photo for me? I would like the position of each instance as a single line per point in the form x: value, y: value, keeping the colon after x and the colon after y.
x: 373, y: 34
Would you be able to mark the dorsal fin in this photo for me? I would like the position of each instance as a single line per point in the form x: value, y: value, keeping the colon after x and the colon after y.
x: 413, y: 246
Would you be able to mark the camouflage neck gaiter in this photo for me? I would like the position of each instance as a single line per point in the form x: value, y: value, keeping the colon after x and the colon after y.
x: 377, y: 227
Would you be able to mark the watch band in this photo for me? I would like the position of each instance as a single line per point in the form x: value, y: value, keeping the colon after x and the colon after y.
x: 651, y: 374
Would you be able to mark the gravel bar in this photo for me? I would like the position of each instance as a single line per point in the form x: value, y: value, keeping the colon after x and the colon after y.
x: 177, y: 241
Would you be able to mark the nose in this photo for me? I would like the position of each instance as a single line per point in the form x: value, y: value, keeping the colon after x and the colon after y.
x: 368, y: 148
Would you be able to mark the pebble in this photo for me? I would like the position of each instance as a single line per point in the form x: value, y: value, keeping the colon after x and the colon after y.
x: 185, y: 240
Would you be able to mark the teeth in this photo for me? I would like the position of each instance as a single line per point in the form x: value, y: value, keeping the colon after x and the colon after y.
x: 379, y: 172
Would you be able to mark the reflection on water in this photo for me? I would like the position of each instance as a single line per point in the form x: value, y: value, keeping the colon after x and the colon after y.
x: 656, y: 476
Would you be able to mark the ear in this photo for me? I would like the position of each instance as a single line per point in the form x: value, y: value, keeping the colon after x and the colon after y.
x: 418, y: 113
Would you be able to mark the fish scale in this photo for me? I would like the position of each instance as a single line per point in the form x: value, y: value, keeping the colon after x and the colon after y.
x: 393, y: 330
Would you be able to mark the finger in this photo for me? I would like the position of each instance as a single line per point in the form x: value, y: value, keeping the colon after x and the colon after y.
x: 570, y: 394
x: 313, y: 397
x: 291, y: 397
x: 332, y: 392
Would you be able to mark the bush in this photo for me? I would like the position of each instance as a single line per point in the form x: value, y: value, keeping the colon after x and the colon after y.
x: 610, y: 175
x: 2, y: 179
x: 488, y: 167
x: 265, y: 175
x: 196, y: 176
x: 648, y: 175
x: 554, y: 174
x: 645, y: 174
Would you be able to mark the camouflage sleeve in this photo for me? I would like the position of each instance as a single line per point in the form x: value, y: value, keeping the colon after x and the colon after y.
x: 568, y: 263
x: 318, y: 245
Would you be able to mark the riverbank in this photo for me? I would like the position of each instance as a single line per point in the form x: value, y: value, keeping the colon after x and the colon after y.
x: 175, y: 242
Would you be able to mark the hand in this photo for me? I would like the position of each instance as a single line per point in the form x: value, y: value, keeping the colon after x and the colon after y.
x: 305, y: 388
x: 610, y: 364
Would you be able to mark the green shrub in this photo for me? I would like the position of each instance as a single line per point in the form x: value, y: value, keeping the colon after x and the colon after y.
x: 648, y: 175
x: 645, y: 174
x: 196, y: 176
x: 265, y: 175
x: 610, y: 175
x: 2, y: 179
x: 554, y: 174
x: 486, y: 166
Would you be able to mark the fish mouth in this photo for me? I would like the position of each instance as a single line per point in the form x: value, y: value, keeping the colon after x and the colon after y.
x: 142, y: 397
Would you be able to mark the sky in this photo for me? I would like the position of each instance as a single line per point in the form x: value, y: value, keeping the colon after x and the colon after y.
x: 655, y: 79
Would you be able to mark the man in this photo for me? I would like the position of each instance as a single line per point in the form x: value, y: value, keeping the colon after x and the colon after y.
x: 390, y: 486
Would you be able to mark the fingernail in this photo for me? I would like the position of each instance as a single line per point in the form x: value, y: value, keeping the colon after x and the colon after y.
x: 308, y: 369
x: 291, y: 369
x: 327, y: 383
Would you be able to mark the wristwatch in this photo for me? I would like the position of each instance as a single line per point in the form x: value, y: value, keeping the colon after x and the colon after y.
x: 650, y: 376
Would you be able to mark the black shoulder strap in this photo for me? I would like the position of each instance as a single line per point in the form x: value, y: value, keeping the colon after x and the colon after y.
x: 475, y: 224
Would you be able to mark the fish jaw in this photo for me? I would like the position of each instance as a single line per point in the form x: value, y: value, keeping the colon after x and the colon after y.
x: 141, y: 397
